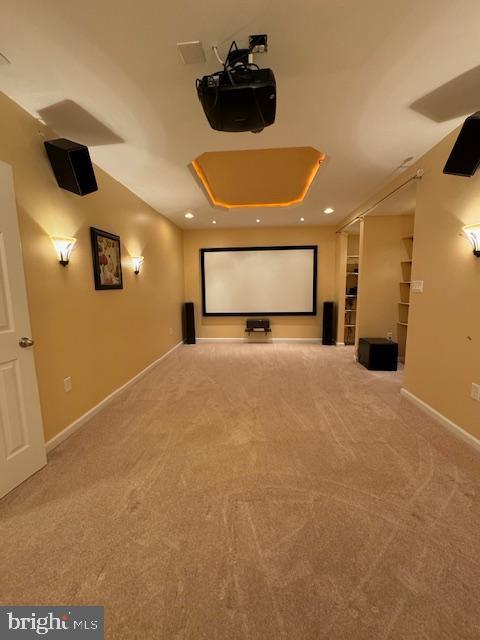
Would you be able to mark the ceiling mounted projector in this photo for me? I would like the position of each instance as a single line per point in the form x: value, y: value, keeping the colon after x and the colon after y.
x: 240, y: 97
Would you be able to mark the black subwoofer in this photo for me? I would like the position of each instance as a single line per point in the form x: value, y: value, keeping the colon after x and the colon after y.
x: 378, y: 354
x: 329, y: 323
x: 71, y: 165
x: 189, y: 323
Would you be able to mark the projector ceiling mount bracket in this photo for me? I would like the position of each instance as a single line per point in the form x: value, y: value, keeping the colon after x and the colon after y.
x: 256, y: 44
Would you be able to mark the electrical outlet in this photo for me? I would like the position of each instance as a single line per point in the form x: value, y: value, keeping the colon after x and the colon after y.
x: 475, y: 391
x: 67, y: 384
x: 170, y: 331
x: 416, y: 286
x: 389, y: 335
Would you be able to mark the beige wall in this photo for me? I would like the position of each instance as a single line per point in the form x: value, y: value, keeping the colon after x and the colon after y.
x: 282, y: 326
x: 383, y: 250
x: 99, y: 338
x: 443, y: 351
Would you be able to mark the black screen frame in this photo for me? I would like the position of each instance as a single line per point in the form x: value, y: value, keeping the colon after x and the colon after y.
x: 313, y: 247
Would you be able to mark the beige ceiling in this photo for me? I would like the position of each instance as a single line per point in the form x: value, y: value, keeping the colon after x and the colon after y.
x: 258, y: 177
x: 108, y: 72
x: 400, y: 203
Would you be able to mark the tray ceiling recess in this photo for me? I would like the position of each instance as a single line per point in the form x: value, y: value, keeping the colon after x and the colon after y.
x: 258, y: 177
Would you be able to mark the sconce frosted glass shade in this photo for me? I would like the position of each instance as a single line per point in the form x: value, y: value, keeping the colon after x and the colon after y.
x: 472, y: 231
x: 137, y: 262
x: 63, y: 246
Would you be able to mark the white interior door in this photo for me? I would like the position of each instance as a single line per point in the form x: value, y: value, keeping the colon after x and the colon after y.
x: 22, y: 447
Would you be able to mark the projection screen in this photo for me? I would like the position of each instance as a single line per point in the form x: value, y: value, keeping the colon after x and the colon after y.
x: 260, y: 281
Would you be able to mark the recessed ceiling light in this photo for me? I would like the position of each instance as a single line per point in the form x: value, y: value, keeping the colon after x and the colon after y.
x: 214, y: 222
x: 189, y: 215
x: 257, y: 220
x: 328, y: 210
x: 302, y: 219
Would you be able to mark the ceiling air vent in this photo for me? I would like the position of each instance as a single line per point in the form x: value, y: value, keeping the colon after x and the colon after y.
x: 191, y: 52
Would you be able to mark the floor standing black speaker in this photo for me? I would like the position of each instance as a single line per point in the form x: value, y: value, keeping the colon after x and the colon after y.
x: 189, y: 323
x: 329, y: 323
x: 71, y: 165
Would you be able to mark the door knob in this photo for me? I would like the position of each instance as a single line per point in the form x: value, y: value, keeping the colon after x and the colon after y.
x: 26, y: 342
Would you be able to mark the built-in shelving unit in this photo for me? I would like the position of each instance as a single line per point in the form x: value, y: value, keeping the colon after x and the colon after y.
x: 404, y: 302
x: 351, y: 291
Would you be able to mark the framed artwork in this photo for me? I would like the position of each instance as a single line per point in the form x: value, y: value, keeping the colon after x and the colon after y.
x: 107, y: 266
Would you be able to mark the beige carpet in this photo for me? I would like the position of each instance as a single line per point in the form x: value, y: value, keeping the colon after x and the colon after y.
x: 256, y: 492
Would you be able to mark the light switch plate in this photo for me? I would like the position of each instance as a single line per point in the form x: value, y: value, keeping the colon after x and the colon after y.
x: 416, y: 286
x: 67, y: 384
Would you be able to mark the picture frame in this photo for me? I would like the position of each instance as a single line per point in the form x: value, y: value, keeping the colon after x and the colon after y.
x: 107, y: 260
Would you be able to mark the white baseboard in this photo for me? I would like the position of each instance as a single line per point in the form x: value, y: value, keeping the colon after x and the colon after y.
x: 76, y: 424
x: 261, y: 339
x: 441, y: 419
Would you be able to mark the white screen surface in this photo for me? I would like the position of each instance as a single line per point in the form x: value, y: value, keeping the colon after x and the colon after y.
x: 259, y: 280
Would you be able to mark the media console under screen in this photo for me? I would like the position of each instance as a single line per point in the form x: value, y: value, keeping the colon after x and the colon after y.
x: 240, y: 281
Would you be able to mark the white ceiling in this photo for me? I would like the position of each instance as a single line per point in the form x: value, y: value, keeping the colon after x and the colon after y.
x: 346, y: 72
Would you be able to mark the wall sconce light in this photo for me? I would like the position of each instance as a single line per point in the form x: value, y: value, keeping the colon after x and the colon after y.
x: 472, y: 231
x: 137, y: 262
x: 63, y: 247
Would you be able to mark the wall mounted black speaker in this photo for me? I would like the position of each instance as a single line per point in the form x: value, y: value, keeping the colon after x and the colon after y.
x: 465, y: 155
x: 189, y: 323
x: 71, y: 165
x: 329, y: 323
